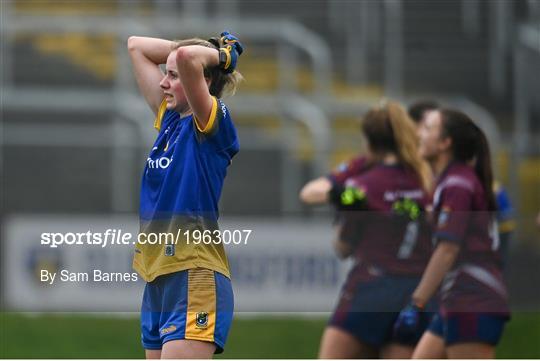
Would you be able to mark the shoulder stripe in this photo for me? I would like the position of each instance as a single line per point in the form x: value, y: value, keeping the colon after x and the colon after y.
x: 460, y: 182
x: 452, y: 181
x: 211, y: 120
x: 161, y: 111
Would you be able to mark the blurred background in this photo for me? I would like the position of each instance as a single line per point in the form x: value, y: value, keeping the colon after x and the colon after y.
x: 76, y: 132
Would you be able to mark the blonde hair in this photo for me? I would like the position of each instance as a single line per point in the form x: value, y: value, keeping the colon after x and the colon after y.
x: 389, y: 128
x: 221, y: 84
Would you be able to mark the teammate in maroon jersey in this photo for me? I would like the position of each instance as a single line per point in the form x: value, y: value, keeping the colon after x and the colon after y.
x: 465, y: 263
x: 381, y: 227
x: 316, y: 190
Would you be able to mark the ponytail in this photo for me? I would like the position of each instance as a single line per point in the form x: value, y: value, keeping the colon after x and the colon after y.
x: 389, y: 129
x: 469, y: 143
x: 483, y: 168
x: 406, y: 141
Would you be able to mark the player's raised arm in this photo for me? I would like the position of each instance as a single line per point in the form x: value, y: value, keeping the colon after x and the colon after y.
x: 192, y: 61
x: 146, y: 55
x: 316, y: 191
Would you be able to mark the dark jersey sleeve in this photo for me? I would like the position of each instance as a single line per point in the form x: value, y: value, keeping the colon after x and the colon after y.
x: 347, y: 170
x: 352, y: 204
x: 454, y: 213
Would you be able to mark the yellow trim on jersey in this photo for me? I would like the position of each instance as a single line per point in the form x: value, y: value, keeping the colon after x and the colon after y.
x: 201, y: 301
x: 149, y: 276
x: 211, y: 120
x: 507, y: 226
x: 161, y: 110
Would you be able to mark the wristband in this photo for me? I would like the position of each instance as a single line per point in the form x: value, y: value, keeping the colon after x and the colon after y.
x: 225, y: 59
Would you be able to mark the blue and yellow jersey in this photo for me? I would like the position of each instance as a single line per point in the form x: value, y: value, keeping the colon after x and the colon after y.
x: 505, y: 211
x: 180, y: 191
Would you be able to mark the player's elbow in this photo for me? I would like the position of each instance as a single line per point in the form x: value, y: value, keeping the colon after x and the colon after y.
x: 304, y: 195
x: 132, y: 43
x: 315, y: 192
x: 308, y: 195
x: 185, y: 56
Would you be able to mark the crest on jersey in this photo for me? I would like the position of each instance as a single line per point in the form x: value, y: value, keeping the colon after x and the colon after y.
x: 169, y: 250
x: 201, y: 319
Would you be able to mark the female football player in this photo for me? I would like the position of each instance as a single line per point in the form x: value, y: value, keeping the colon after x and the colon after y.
x: 188, y: 301
x: 473, y: 301
x: 381, y: 227
x: 316, y: 191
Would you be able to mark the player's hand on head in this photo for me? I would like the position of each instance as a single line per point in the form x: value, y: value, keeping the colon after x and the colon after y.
x: 229, y: 52
x: 229, y: 39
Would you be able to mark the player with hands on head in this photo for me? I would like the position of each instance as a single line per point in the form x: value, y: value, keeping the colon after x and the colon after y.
x: 187, y: 306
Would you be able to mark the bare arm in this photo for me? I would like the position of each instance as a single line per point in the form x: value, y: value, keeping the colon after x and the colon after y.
x: 146, y: 55
x: 316, y: 191
x: 191, y: 61
x: 441, y: 262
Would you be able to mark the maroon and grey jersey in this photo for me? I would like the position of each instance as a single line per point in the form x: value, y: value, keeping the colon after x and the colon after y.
x: 389, y: 232
x: 461, y: 215
x: 349, y: 169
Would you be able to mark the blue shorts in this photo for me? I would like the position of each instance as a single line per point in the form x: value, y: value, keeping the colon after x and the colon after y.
x: 468, y: 327
x: 368, y: 310
x: 195, y: 304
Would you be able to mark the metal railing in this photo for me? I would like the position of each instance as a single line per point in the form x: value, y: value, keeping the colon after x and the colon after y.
x: 527, y: 44
x: 130, y: 109
x: 133, y: 117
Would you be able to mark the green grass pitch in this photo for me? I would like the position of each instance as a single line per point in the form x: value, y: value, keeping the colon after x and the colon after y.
x: 83, y: 336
